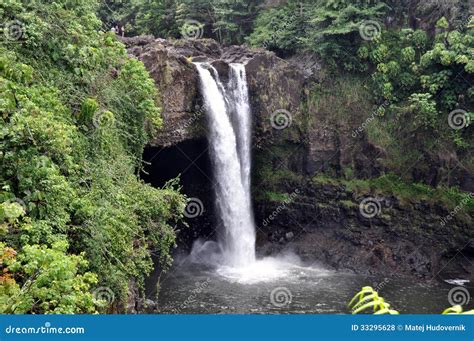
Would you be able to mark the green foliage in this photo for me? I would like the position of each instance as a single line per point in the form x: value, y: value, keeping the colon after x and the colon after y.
x: 442, y: 23
x: 89, y: 108
x: 280, y: 28
x: 434, y: 82
x: 52, y: 282
x: 329, y: 28
x: 274, y: 196
x: 369, y: 298
x: 457, y: 310
x: 227, y: 21
x: 233, y: 19
x: 75, y: 115
x: 406, y: 192
x: 157, y: 17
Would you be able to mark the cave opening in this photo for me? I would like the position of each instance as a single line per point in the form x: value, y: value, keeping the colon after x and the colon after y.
x: 190, y: 161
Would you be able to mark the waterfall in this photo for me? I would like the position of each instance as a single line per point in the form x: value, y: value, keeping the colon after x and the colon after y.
x: 229, y: 121
x: 241, y: 120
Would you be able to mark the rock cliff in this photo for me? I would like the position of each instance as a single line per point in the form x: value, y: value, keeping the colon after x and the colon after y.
x: 296, y: 138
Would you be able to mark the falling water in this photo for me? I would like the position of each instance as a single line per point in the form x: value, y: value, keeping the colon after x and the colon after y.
x: 241, y: 120
x: 229, y: 137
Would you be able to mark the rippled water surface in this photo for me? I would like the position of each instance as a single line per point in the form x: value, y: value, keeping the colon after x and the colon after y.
x: 195, y: 288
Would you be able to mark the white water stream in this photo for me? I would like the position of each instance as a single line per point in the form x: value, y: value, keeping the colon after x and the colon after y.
x: 229, y: 137
x: 229, y: 120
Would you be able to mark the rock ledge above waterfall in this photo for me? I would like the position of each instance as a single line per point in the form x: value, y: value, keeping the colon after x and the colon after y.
x: 274, y: 84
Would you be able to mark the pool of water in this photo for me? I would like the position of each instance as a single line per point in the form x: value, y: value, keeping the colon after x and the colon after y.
x: 198, y: 289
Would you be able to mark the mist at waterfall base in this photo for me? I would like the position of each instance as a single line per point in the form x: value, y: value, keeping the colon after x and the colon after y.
x: 229, y: 122
x: 225, y: 276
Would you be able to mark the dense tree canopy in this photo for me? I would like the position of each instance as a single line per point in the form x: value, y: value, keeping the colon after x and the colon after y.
x: 227, y: 21
x: 76, y: 113
x: 420, y: 58
x: 73, y: 214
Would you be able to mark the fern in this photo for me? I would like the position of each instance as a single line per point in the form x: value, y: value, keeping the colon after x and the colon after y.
x: 368, y: 298
x: 457, y: 309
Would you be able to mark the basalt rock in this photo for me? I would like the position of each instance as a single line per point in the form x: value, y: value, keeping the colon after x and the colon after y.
x: 292, y: 134
x: 275, y: 86
x: 398, y: 239
x: 283, y: 113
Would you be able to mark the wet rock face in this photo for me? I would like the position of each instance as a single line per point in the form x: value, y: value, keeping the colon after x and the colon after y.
x: 274, y: 84
x: 277, y: 91
x: 326, y: 226
x: 323, y: 223
x: 177, y: 81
